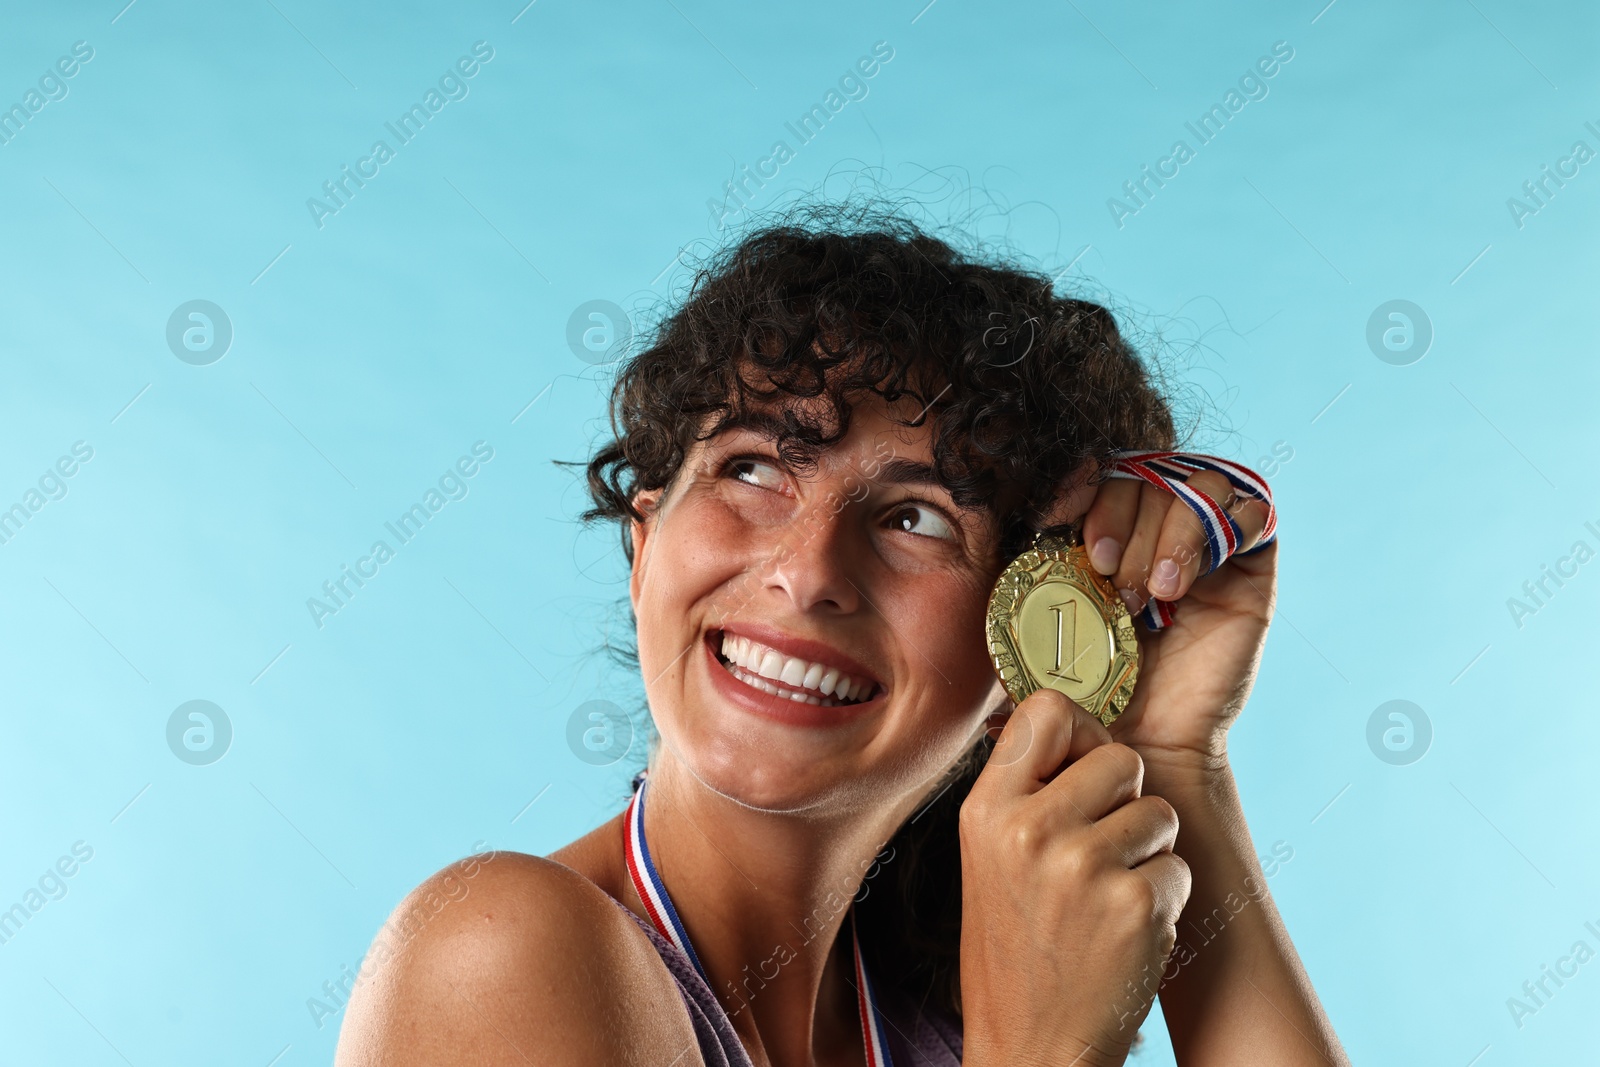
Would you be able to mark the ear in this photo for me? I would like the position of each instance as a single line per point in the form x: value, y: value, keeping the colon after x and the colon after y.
x: 1073, y: 497
x: 640, y: 533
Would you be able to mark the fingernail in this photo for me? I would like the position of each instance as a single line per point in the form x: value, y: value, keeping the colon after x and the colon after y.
x: 1130, y: 598
x: 1105, y: 554
x: 1164, y: 579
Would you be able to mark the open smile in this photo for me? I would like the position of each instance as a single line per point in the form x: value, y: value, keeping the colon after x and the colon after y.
x: 790, y: 680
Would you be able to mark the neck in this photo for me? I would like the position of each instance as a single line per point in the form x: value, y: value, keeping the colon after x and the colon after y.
x: 763, y: 897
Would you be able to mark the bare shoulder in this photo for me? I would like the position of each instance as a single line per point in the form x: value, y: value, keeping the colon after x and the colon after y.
x: 514, y: 959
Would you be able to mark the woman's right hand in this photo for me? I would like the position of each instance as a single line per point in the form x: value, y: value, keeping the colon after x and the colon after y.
x: 1069, y: 893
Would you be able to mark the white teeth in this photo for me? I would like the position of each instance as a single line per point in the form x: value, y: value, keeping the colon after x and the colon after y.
x: 771, y: 665
x: 767, y: 687
x: 760, y: 666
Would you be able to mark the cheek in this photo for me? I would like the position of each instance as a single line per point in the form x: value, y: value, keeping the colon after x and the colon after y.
x: 947, y: 655
x: 952, y: 612
x: 696, y: 556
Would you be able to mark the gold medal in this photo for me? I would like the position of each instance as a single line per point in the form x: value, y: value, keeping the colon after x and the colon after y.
x: 1055, y: 622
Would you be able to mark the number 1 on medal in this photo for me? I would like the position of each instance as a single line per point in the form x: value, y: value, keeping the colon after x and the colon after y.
x: 1072, y: 635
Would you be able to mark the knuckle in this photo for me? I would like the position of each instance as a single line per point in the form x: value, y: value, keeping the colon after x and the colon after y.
x: 1134, y: 897
x: 1049, y: 701
x: 1013, y: 744
x: 1185, y: 876
x: 1168, y: 905
x: 1079, y: 871
x: 974, y: 815
x: 1166, y: 939
x: 1074, y: 865
x: 1217, y: 486
x: 1025, y: 837
x: 1162, y: 812
x: 1124, y: 760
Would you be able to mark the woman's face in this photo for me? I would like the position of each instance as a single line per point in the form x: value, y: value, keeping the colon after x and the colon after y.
x: 815, y: 640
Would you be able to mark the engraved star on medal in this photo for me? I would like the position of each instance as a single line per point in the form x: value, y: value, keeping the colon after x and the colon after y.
x: 1055, y: 622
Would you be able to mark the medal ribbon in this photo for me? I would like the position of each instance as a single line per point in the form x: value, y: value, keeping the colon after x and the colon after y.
x: 664, y: 917
x: 1170, y: 471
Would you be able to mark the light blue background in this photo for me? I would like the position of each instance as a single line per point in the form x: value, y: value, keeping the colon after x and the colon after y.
x: 433, y: 308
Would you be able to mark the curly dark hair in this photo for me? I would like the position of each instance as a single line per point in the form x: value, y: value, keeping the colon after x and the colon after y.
x: 834, y: 303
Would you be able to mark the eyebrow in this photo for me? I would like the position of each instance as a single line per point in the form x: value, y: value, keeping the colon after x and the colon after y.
x: 907, y: 472
x: 757, y: 422
x: 893, y: 472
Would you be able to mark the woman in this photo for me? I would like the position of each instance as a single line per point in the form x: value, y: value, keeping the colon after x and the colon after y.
x: 821, y: 465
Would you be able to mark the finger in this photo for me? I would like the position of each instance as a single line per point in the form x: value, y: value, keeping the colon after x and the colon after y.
x: 1182, y: 550
x: 1097, y: 784
x: 1045, y: 731
x: 1134, y: 571
x: 1109, y: 523
x: 1139, y: 829
x: 1169, y: 876
x: 1250, y: 512
x: 1184, y: 553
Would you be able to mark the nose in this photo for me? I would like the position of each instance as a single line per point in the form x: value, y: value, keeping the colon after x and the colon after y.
x: 813, y: 562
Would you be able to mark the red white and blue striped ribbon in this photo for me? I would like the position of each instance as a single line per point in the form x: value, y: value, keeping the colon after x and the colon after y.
x: 664, y: 916
x: 1170, y: 471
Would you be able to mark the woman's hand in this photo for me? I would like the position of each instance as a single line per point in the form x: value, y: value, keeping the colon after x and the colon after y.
x: 1069, y: 893
x: 1242, y: 998
x: 1195, y: 675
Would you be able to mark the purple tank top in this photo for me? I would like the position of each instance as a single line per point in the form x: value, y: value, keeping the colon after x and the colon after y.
x: 917, y: 1038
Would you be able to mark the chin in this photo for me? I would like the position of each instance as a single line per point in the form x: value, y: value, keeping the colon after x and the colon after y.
x: 754, y: 766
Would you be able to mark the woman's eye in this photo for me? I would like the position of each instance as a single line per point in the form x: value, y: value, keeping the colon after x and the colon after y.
x: 920, y: 520
x: 755, y: 472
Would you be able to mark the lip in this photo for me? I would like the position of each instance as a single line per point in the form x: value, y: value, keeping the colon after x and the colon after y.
x: 782, y: 709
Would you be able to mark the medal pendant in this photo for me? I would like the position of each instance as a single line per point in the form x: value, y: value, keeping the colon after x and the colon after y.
x: 1055, y: 622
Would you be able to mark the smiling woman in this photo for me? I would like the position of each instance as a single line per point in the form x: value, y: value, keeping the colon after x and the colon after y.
x: 820, y: 465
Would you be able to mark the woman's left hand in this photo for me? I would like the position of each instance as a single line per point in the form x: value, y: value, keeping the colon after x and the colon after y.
x: 1195, y: 675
